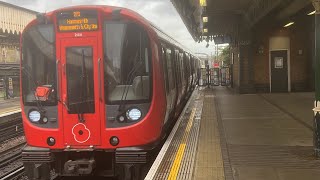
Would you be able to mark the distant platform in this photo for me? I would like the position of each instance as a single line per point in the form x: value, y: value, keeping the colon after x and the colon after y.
x: 10, y: 106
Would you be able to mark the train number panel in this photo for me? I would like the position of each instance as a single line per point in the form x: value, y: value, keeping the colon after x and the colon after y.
x: 80, y: 93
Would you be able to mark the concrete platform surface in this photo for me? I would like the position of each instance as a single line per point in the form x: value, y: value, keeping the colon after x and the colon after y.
x: 241, y: 137
x: 267, y: 136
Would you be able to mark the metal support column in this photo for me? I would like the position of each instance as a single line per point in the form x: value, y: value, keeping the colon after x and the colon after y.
x: 6, y: 87
x: 316, y: 134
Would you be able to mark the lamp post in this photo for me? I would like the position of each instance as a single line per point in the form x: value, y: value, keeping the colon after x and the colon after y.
x: 316, y: 110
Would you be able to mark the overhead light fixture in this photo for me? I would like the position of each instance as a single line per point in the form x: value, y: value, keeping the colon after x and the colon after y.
x: 205, y: 19
x: 311, y: 13
x: 203, y: 3
x: 289, y: 24
x: 205, y: 30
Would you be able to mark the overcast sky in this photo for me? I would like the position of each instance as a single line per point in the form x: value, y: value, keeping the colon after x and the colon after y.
x: 160, y: 12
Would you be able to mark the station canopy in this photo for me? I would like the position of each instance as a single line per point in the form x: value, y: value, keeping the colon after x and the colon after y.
x: 223, y: 20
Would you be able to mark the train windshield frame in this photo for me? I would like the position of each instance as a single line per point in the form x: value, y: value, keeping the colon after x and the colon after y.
x: 39, y: 63
x: 127, y: 63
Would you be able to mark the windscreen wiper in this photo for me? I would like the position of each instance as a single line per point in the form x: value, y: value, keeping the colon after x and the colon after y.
x: 131, y: 76
x: 126, y: 87
x: 34, y: 86
x: 83, y: 92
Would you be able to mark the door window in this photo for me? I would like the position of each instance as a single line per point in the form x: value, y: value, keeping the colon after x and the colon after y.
x: 80, y: 84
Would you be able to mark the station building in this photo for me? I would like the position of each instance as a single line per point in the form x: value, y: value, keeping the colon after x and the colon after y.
x: 13, y: 20
x: 271, y: 41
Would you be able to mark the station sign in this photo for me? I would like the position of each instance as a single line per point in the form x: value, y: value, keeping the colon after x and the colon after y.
x: 82, y: 20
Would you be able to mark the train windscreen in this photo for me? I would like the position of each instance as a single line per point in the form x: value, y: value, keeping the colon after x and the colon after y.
x: 127, y: 63
x: 38, y: 63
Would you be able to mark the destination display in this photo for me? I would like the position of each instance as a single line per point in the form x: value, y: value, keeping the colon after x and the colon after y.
x: 77, y: 21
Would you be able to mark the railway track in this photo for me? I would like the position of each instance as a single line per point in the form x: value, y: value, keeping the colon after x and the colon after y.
x: 10, y: 126
x: 11, y: 129
x: 11, y: 154
x: 11, y: 162
x: 11, y: 166
x: 16, y: 173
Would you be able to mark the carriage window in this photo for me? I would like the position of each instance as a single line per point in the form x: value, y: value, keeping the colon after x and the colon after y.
x: 181, y: 67
x: 172, y: 83
x: 165, y: 69
x: 38, y: 63
x: 177, y: 64
x: 127, y: 63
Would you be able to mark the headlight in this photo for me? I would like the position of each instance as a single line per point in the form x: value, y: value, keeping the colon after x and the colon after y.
x: 134, y: 114
x: 34, y: 116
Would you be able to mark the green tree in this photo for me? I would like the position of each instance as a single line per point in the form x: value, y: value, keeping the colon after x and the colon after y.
x: 225, y: 56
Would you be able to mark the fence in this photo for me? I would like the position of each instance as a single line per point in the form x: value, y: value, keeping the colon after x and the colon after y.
x: 215, y: 77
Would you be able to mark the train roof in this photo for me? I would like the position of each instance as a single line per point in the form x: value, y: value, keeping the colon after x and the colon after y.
x: 164, y: 36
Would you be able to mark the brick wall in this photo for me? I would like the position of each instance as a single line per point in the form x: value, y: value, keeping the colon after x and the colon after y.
x: 301, y: 36
x: 301, y: 64
x: 254, y: 58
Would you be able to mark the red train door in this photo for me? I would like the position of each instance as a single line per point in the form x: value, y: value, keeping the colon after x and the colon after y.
x: 80, y: 92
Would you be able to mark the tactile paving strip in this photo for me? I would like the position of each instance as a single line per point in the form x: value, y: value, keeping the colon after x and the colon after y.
x: 209, y: 161
x: 176, y: 160
x: 187, y: 164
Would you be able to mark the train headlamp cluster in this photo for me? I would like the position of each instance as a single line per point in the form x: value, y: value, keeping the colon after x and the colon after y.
x: 34, y: 116
x: 134, y: 114
x: 131, y: 115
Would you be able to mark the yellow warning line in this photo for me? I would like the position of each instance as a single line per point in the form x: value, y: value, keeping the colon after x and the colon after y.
x: 179, y: 155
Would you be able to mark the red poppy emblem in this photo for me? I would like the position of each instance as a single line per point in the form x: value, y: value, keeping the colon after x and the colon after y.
x: 81, y: 133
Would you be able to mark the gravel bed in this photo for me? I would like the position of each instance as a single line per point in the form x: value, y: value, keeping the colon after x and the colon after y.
x: 10, y: 143
x: 10, y: 167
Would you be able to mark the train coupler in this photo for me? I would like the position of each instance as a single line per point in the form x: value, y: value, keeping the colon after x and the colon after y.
x: 37, y: 171
x: 80, y: 167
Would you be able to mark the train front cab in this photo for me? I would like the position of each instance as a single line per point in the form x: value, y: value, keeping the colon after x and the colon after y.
x: 90, y: 99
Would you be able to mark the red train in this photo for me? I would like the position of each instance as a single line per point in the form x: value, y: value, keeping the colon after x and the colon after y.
x: 100, y: 86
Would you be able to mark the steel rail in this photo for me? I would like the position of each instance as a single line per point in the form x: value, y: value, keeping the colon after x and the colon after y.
x: 11, y: 129
x: 15, y: 173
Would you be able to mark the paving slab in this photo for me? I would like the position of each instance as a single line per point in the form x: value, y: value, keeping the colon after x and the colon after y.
x: 268, y: 136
